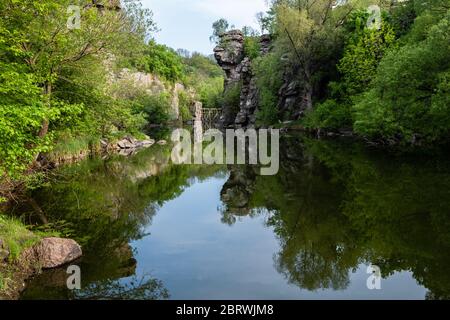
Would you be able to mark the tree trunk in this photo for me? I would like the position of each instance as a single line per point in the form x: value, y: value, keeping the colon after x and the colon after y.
x: 38, y: 210
x: 45, y: 123
x: 308, y: 90
x: 47, y: 96
x: 307, y: 98
x: 44, y: 128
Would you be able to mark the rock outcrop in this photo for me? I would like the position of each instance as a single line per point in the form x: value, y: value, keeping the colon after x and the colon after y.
x: 230, y: 55
x: 55, y: 252
x: 131, y: 143
x: 140, y: 82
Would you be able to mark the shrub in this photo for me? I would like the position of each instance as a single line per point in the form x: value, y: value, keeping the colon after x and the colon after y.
x: 161, y: 60
x: 184, y: 104
x: 232, y: 95
x: 252, y: 47
x: 329, y: 115
x: 410, y: 93
x: 268, y: 70
x: 155, y: 108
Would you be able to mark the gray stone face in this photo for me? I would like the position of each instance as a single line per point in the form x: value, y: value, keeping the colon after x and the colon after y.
x: 229, y: 54
x: 231, y: 57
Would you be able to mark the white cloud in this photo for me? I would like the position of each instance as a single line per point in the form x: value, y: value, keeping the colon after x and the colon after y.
x: 238, y: 12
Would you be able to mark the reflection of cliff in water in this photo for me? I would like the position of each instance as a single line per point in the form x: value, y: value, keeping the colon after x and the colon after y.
x: 335, y: 206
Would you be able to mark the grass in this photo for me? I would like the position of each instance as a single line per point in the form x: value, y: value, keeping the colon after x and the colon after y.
x: 15, y: 236
x: 68, y: 146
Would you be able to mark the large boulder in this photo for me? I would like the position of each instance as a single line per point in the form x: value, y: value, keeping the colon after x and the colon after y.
x: 56, y: 252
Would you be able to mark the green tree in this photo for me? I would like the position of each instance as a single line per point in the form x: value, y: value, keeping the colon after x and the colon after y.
x: 44, y: 67
x: 409, y: 99
x: 161, y: 60
x: 363, y: 54
x: 219, y: 28
x: 206, y: 77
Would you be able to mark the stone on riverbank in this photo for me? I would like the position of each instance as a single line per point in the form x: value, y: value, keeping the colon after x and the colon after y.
x: 50, y: 253
x: 56, y: 252
x: 131, y: 143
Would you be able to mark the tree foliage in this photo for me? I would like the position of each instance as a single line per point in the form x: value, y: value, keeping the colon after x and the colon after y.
x: 387, y: 82
x: 161, y: 60
x: 52, y: 76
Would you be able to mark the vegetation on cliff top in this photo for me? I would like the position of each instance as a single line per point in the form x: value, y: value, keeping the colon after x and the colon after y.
x: 383, y: 74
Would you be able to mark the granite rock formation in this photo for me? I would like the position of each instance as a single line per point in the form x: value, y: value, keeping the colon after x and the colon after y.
x: 230, y: 55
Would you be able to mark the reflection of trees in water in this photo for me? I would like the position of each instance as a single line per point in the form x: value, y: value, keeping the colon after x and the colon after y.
x: 105, y: 204
x: 133, y: 289
x: 312, y: 271
x: 337, y: 206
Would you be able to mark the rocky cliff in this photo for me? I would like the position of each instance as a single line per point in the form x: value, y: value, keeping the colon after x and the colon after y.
x: 152, y: 85
x: 230, y: 55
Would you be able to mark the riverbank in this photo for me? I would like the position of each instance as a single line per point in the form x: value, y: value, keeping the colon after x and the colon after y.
x: 31, y: 258
x: 19, y: 259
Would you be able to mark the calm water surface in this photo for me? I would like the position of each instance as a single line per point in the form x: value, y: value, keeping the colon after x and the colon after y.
x: 153, y: 230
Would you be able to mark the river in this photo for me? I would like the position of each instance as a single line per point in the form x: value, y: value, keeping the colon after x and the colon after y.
x: 154, y: 230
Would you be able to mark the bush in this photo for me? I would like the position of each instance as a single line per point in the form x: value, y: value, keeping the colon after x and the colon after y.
x: 410, y: 93
x: 155, y: 108
x: 210, y: 92
x: 206, y: 77
x: 184, y: 104
x: 161, y: 60
x: 252, y: 47
x: 232, y: 95
x: 329, y: 115
x: 268, y: 70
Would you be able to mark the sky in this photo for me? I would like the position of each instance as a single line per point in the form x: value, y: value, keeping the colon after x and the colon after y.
x: 187, y: 24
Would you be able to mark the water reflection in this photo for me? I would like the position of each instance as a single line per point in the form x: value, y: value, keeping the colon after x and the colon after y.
x: 333, y: 207
x: 336, y: 206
